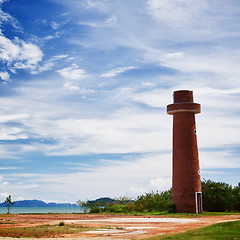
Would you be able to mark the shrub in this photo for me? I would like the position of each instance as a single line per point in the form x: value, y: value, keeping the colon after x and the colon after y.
x: 95, y: 210
x: 115, y: 208
x: 220, y: 197
x: 154, y: 201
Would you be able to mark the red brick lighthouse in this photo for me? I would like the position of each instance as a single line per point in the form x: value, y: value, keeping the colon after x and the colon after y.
x: 186, y: 183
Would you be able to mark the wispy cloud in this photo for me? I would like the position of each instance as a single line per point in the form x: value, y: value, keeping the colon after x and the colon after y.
x: 19, y: 54
x: 177, y: 13
x: 7, y: 18
x: 8, y: 168
x: 12, y: 134
x: 73, y: 72
x: 4, y: 76
x: 117, y: 71
x: 111, y: 20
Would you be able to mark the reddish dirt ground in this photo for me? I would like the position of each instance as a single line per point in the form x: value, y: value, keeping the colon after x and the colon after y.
x: 121, y: 226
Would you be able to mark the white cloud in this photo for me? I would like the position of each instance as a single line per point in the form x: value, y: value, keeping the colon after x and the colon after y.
x: 20, y: 198
x: 9, y: 51
x: 111, y: 20
x: 100, y: 24
x: 176, y: 12
x: 28, y: 57
x: 153, y: 98
x: 87, y: 23
x: 73, y: 76
x: 6, y: 18
x: 117, y: 71
x: 3, y: 184
x: 70, y: 86
x: 73, y: 73
x: 49, y: 37
x: 92, y: 4
x: 7, y: 168
x: 62, y: 56
x: 48, y: 65
x: 73, y: 87
x: 13, y: 117
x: 175, y: 55
x: 222, y: 159
x: 161, y: 183
x: 52, y: 62
x: 3, y: 195
x: 4, y: 76
x: 221, y: 62
x: 12, y: 133
x: 19, y: 54
x: 54, y: 25
x: 122, y: 133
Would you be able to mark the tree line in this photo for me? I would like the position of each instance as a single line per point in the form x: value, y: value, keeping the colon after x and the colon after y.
x: 217, y: 197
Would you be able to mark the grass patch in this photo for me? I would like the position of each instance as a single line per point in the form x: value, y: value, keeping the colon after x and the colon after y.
x: 42, y: 231
x: 227, y: 230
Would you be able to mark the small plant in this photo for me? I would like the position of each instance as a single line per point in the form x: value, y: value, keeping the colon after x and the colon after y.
x: 61, y: 224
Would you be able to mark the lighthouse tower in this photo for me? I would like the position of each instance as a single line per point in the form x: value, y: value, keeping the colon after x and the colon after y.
x: 186, y: 183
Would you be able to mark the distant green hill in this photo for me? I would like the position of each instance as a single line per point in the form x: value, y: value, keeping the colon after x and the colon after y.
x: 101, y: 201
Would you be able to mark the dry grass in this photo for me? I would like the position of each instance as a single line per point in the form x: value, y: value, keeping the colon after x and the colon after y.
x: 42, y: 231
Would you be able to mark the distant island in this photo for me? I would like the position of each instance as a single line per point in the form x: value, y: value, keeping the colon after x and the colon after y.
x: 38, y: 203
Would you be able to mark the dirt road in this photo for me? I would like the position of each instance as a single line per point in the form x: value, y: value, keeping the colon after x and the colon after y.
x: 116, y: 226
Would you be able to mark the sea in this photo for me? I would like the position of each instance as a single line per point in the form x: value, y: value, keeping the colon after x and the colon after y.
x: 35, y: 210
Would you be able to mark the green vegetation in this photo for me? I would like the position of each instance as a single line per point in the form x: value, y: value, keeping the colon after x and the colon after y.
x: 95, y: 209
x: 149, y: 202
x: 158, y: 201
x: 227, y: 230
x: 220, y: 197
x: 9, y: 203
x: 217, y: 197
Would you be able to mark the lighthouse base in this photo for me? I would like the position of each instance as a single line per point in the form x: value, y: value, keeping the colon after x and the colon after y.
x: 188, y: 203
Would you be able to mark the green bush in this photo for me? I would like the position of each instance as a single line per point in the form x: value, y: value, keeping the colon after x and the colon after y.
x: 95, y: 210
x: 115, y: 208
x: 220, y: 197
x: 154, y: 201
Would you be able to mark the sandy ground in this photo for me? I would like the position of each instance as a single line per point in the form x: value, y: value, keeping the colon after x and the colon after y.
x: 121, y: 226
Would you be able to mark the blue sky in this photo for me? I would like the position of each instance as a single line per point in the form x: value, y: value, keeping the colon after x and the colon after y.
x: 84, y: 86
